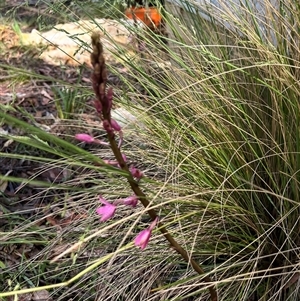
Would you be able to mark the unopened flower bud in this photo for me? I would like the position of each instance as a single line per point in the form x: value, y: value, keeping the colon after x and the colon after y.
x: 136, y: 173
x: 109, y: 96
x: 102, y: 91
x: 107, y: 127
x: 98, y: 106
x: 115, y: 125
x: 85, y: 138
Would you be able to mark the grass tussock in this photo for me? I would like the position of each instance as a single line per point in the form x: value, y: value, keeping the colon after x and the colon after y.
x: 218, y: 137
x: 224, y: 120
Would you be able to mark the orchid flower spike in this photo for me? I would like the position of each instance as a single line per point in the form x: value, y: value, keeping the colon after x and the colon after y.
x: 106, y: 211
x: 143, y: 237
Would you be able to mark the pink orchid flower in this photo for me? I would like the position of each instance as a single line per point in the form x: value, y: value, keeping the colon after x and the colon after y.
x: 143, y: 237
x: 131, y: 201
x: 106, y: 211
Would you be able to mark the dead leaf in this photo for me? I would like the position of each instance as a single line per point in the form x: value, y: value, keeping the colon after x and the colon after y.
x: 8, y: 143
x: 72, y: 218
x: 24, y: 297
x: 41, y: 295
x: 38, y: 114
x: 46, y: 97
x: 3, y: 132
x: 294, y: 279
x: 46, y: 94
x: 52, y: 221
x: 4, y: 183
x: 57, y: 174
x: 74, y: 248
x: 45, y: 101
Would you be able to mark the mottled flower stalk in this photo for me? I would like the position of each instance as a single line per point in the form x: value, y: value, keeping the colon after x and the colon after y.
x: 103, y: 104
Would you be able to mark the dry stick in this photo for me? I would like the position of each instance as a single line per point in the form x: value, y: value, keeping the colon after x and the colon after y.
x: 99, y: 82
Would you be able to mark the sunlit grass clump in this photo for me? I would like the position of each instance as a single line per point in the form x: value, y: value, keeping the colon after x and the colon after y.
x: 224, y: 122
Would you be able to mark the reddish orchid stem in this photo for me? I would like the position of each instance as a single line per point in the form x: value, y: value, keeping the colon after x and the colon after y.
x: 99, y: 80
